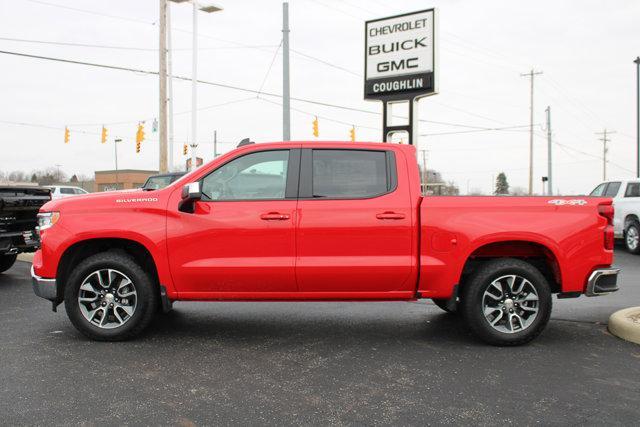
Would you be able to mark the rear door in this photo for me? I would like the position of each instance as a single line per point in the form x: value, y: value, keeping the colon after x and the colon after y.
x: 354, y: 227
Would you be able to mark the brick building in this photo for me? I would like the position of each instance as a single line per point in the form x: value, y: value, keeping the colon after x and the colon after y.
x: 121, y: 179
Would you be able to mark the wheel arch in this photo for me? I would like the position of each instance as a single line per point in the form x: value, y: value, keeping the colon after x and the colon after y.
x: 629, y: 219
x: 536, y: 253
x: 85, y: 248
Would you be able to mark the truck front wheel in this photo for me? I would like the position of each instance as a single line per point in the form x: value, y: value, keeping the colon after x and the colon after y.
x: 506, y: 302
x: 6, y: 261
x: 109, y: 297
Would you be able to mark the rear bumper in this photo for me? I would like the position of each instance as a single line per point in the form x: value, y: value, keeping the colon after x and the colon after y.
x: 44, y: 288
x: 602, y: 281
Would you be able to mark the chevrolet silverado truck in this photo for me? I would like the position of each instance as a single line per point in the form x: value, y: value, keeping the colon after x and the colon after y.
x: 18, y: 219
x: 320, y: 221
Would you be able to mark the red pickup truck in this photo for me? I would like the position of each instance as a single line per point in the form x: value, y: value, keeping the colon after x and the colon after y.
x: 320, y: 221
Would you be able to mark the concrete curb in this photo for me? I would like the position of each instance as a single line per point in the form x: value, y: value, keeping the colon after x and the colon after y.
x: 26, y: 257
x: 625, y: 324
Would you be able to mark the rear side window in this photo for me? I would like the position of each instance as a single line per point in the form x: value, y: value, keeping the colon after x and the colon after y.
x: 612, y: 189
x: 67, y: 191
x: 350, y: 173
x: 599, y: 190
x: 633, y: 189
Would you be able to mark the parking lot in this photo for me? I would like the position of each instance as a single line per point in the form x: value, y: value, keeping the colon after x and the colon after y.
x: 315, y: 363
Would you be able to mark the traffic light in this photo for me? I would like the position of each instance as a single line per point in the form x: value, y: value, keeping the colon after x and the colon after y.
x: 67, y: 135
x: 104, y: 135
x: 140, y: 133
x: 184, y: 150
x: 315, y: 127
x: 137, y: 146
x: 352, y: 133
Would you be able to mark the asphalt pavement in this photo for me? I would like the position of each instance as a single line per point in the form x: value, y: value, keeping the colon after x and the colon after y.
x: 316, y: 363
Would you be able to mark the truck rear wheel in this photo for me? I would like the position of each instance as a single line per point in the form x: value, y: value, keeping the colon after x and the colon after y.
x: 6, y: 261
x: 108, y: 297
x: 506, y: 302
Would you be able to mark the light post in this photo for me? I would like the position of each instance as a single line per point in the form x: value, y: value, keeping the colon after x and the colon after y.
x: 209, y: 8
x: 637, y: 62
x: 115, y: 151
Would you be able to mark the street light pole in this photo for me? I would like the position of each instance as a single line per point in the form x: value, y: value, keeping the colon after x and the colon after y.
x: 637, y: 62
x: 194, y: 89
x: 286, y: 100
x: 209, y: 8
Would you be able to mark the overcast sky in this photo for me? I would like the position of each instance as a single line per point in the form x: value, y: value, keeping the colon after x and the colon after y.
x: 584, y: 48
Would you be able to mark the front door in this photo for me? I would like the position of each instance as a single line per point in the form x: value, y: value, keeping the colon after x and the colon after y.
x: 240, y: 239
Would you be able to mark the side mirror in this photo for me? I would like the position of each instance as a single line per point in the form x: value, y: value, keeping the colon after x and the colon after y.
x: 190, y: 194
x: 191, y: 191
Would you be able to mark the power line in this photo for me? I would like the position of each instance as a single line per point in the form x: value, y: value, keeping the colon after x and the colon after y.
x: 273, y: 60
x: 144, y: 49
x: 222, y: 85
x: 90, y: 12
x: 475, y: 130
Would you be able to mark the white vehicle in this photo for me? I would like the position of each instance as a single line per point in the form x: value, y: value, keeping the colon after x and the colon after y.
x: 626, y: 202
x: 62, y: 191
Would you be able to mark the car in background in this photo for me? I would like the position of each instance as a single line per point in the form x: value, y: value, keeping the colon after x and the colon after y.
x: 158, y: 182
x: 626, y: 202
x: 19, y: 207
x: 62, y: 191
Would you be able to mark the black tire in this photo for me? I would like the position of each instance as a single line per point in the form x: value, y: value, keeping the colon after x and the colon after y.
x: 632, y: 227
x: 442, y: 304
x: 473, y: 294
x: 7, y: 261
x: 146, y: 299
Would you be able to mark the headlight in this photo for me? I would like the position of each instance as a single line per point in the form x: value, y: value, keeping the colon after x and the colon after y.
x: 47, y: 219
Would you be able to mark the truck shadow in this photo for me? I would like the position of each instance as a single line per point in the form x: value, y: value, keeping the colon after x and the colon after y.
x: 305, y: 322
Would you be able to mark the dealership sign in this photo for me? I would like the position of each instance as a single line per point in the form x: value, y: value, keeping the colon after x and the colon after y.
x: 400, y: 56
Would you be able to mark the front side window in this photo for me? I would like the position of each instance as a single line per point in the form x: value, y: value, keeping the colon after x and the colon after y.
x: 349, y: 173
x: 256, y: 176
x: 612, y: 189
x: 633, y: 190
x: 65, y: 190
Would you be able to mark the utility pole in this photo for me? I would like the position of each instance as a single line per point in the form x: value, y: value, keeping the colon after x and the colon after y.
x: 170, y: 84
x: 424, y: 170
x: 549, y: 154
x: 531, y: 74
x: 286, y: 96
x: 215, y: 144
x: 637, y: 62
x: 605, y: 150
x: 162, y: 76
x: 115, y: 149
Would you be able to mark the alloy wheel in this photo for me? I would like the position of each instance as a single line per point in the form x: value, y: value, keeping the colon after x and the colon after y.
x: 632, y: 238
x: 510, y: 304
x: 107, y: 298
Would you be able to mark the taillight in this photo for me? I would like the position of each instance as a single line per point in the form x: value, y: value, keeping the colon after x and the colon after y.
x: 606, y: 210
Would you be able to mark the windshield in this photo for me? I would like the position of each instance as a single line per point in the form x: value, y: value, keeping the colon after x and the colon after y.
x: 158, y: 182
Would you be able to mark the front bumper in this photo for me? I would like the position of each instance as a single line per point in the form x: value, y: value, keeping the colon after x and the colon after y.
x: 44, y: 288
x: 602, y: 281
